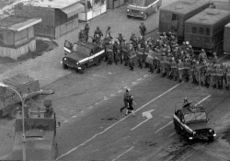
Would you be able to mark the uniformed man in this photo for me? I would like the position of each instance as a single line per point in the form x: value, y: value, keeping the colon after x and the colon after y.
x: 97, y: 34
x: 134, y: 41
x: 115, y: 52
x: 142, y: 29
x: 186, y: 103
x: 109, y: 52
x: 108, y: 33
x: 131, y: 55
x: 130, y: 108
x: 125, y: 99
x: 86, y: 29
x: 120, y: 38
x: 180, y: 70
x: 81, y: 36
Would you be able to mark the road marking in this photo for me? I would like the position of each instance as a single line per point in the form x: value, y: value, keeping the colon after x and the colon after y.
x: 66, y: 121
x: 105, y: 98
x: 112, y: 95
x: 119, y: 91
x: 122, y: 154
x: 146, y: 114
x: 114, y: 124
x: 74, y: 116
x: 134, y: 83
x: 202, y: 100
x: 170, y: 122
x: 187, y: 157
x: 139, y: 79
x: 172, y: 134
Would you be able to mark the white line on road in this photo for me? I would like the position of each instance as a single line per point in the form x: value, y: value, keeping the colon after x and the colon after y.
x: 122, y: 154
x: 202, y: 100
x: 144, y: 120
x: 172, y: 134
x: 139, y: 124
x: 170, y: 122
x: 111, y: 126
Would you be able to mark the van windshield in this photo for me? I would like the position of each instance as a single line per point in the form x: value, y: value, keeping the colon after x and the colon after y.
x: 138, y: 2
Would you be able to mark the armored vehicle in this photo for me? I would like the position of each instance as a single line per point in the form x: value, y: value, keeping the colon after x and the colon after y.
x: 191, y: 122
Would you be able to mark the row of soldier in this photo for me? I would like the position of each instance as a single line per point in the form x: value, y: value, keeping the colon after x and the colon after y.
x: 164, y: 55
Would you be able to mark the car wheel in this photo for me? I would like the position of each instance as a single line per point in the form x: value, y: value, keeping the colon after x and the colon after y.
x: 210, y: 138
x: 145, y: 16
x: 65, y: 66
x: 128, y: 16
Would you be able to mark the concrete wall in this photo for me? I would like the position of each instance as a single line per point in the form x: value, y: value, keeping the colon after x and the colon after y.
x: 14, y: 53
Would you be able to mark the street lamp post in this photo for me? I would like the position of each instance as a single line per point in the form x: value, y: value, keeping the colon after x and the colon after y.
x: 23, y: 118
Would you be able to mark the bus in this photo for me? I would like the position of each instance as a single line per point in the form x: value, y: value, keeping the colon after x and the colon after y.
x: 142, y: 8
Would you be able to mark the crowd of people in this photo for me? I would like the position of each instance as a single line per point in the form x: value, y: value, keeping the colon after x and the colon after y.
x: 163, y: 55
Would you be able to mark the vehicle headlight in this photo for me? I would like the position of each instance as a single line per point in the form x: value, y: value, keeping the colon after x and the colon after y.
x: 214, y: 135
x: 210, y: 130
x: 128, y: 10
x: 65, y: 59
x: 190, y: 138
x: 79, y: 68
x: 142, y: 13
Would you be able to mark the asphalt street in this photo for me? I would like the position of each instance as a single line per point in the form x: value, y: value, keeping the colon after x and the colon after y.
x: 106, y: 135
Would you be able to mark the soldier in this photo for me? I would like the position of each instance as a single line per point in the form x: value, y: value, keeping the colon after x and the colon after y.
x: 115, y: 52
x: 97, y: 35
x: 86, y: 30
x: 108, y: 33
x: 227, y: 77
x: 134, y: 41
x: 131, y: 55
x: 202, y: 56
x: 125, y: 99
x: 140, y: 52
x: 180, y: 70
x: 81, y: 36
x: 130, y: 108
x: 173, y: 72
x: 142, y: 29
x: 120, y: 38
x: 109, y: 52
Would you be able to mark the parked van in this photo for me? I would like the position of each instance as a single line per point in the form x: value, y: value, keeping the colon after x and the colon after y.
x: 142, y: 8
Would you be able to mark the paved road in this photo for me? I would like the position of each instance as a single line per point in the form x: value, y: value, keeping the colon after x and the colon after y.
x: 104, y: 135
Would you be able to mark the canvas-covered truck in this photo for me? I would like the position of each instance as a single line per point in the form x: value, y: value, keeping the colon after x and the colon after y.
x: 25, y: 85
x: 40, y: 134
x: 174, y: 15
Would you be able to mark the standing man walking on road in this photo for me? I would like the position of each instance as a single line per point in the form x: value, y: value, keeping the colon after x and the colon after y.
x: 143, y: 29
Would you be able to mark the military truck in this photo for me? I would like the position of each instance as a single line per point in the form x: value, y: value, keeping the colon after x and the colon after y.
x: 173, y: 15
x: 40, y: 134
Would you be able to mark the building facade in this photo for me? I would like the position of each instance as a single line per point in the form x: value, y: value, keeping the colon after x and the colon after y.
x: 58, y: 18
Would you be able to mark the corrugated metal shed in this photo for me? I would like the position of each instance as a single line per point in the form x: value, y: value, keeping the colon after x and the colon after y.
x: 18, y: 23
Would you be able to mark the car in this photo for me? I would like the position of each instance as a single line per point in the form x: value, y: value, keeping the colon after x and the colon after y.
x: 142, y: 8
x: 81, y: 55
x: 191, y: 122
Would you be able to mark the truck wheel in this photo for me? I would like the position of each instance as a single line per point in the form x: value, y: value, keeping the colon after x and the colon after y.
x: 145, y: 16
x: 65, y: 66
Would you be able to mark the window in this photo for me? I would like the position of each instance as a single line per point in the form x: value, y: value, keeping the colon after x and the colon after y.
x: 194, y: 30
x: 201, y: 30
x: 207, y: 31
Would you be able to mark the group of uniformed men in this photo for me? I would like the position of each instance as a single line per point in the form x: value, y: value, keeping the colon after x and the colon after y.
x: 164, y: 55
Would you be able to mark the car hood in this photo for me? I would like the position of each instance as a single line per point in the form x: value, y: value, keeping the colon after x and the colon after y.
x: 76, y: 56
x: 199, y: 125
x: 134, y: 7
